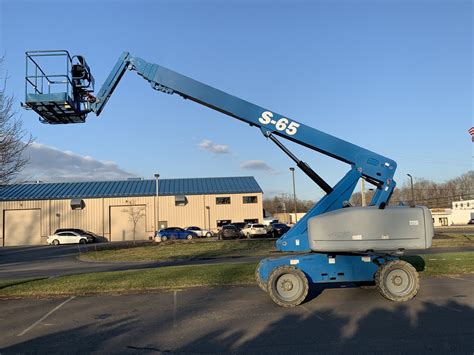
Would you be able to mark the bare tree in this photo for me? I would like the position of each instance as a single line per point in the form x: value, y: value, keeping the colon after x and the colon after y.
x: 285, y: 203
x: 429, y: 193
x: 13, y: 138
x: 135, y: 214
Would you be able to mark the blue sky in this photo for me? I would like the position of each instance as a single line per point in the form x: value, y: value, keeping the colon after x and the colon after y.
x: 392, y: 76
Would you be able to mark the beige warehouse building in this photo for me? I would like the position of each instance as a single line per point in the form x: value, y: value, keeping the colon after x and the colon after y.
x: 118, y: 210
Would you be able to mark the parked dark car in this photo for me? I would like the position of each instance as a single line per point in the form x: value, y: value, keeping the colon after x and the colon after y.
x: 239, y: 225
x: 229, y: 231
x: 278, y: 229
x: 175, y: 233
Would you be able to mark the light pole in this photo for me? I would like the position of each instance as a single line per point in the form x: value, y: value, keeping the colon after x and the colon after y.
x: 208, y: 217
x: 157, y: 204
x: 412, y: 191
x: 294, y: 191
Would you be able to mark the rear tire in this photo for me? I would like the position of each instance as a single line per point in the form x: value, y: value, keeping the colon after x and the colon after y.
x: 189, y: 237
x: 397, y: 281
x: 208, y: 234
x: 287, y: 286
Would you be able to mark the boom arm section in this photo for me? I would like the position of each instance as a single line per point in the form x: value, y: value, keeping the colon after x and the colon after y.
x: 364, y: 163
x: 372, y: 166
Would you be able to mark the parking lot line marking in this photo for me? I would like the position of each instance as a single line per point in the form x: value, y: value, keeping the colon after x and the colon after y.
x: 175, y: 305
x: 45, y: 316
x: 311, y: 313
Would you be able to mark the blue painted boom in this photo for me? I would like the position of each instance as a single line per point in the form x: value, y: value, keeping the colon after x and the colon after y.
x: 363, y: 163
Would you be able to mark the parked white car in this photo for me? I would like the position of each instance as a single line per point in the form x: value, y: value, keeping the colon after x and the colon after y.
x: 69, y: 237
x: 200, y: 232
x: 254, y: 230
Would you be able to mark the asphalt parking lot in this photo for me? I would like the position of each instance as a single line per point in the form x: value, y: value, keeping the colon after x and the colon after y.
x: 244, y: 320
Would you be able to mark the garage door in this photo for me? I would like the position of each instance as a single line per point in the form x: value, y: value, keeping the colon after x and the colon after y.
x: 127, y: 220
x: 22, y: 227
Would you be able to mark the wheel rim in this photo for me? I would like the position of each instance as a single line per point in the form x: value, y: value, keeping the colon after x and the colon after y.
x: 190, y: 237
x: 288, y: 287
x: 399, y: 282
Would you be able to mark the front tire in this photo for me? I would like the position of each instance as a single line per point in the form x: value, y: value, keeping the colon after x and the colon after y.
x: 164, y: 238
x: 82, y: 241
x: 397, y: 281
x: 208, y: 234
x: 287, y: 286
x: 55, y: 242
x: 189, y: 237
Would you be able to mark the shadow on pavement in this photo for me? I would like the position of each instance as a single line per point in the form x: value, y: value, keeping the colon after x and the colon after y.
x: 420, y: 326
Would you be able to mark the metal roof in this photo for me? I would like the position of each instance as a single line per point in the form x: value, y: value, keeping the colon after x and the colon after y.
x: 126, y: 188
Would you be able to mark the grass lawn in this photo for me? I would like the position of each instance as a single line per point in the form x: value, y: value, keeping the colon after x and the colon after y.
x: 211, y: 249
x: 444, y: 263
x: 453, y: 240
x: 173, y: 277
x: 176, y: 277
x: 185, y: 250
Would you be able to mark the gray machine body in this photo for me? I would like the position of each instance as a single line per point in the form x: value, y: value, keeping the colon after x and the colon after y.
x: 361, y: 229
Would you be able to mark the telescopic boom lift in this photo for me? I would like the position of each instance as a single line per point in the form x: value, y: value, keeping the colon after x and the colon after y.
x: 333, y: 243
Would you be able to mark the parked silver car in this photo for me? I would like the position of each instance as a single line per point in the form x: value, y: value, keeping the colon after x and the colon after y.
x: 69, y: 237
x: 201, y: 233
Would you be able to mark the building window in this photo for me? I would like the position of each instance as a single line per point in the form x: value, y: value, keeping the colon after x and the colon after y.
x: 249, y: 199
x: 180, y: 200
x: 456, y: 205
x: 251, y: 220
x: 222, y: 200
x: 77, y: 204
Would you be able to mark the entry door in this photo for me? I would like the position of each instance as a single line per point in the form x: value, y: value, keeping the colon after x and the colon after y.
x: 22, y: 227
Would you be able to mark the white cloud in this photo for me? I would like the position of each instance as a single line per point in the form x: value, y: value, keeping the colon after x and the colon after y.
x: 208, y: 145
x: 256, y: 165
x: 49, y: 164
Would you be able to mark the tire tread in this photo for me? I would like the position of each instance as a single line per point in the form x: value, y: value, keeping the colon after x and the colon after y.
x: 282, y: 270
x: 382, y: 271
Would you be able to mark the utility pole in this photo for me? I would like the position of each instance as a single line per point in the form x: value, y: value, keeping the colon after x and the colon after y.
x: 157, y: 204
x: 294, y: 192
x: 362, y: 192
x: 412, y: 191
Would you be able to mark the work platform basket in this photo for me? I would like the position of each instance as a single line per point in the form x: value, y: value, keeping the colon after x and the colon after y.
x: 58, y: 86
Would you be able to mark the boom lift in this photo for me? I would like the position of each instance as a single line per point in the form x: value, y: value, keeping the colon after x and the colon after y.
x: 333, y: 243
